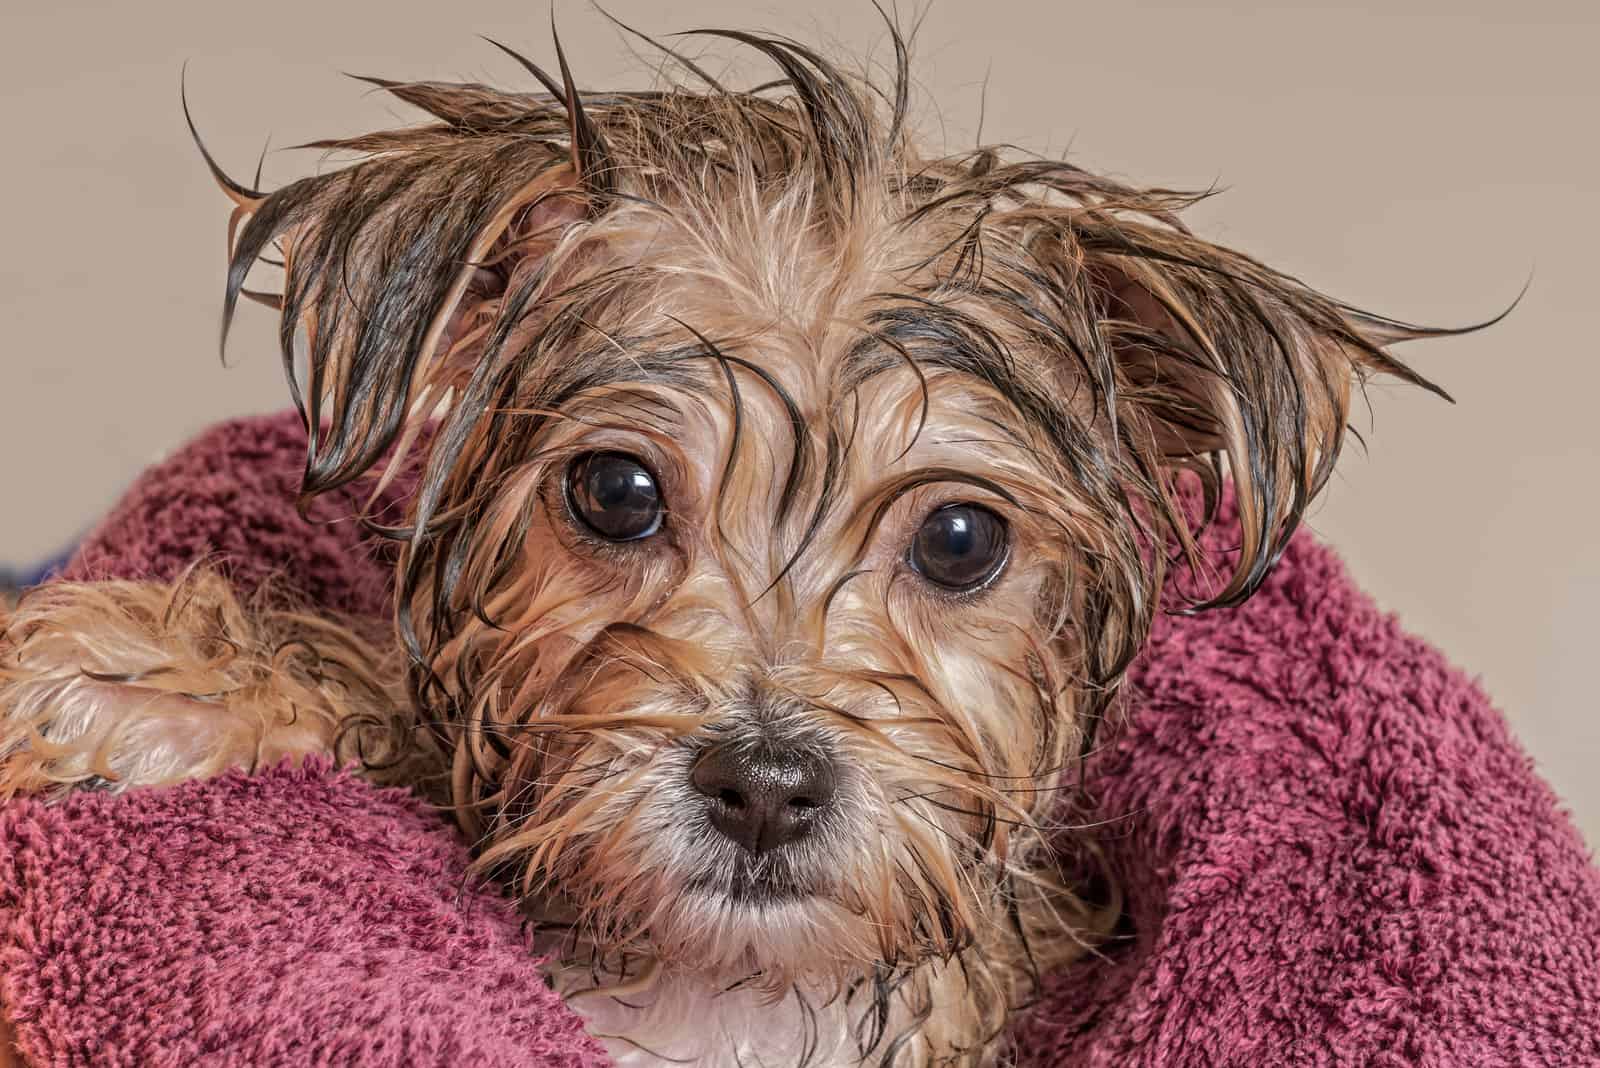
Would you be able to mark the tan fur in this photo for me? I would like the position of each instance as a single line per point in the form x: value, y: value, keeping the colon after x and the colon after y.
x: 118, y: 684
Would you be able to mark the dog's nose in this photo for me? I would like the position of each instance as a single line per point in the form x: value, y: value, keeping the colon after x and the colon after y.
x: 764, y: 796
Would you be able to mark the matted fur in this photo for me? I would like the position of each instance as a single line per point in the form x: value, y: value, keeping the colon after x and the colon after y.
x: 815, y: 334
x: 114, y: 683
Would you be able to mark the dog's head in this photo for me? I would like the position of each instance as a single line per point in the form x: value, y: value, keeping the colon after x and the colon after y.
x: 791, y: 501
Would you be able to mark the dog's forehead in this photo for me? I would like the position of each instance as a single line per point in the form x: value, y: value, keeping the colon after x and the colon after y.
x: 781, y: 324
x: 729, y: 376
x: 874, y: 339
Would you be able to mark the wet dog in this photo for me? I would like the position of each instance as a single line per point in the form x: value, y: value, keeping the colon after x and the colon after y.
x: 788, y: 503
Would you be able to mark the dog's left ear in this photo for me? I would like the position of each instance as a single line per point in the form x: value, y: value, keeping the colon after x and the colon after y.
x: 1224, y: 366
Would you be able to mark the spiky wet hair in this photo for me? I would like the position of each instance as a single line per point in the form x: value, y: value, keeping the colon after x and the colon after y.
x: 454, y: 268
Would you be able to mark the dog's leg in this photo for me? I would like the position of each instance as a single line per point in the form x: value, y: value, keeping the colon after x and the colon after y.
x: 123, y: 684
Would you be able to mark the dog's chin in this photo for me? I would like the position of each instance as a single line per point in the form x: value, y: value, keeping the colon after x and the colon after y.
x: 770, y: 932
x: 749, y: 884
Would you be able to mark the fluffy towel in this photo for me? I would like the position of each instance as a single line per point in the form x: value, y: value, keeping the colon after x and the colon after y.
x: 299, y: 917
x: 1332, y: 851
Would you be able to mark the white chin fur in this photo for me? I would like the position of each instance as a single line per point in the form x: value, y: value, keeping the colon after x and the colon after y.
x: 703, y: 1009
x: 685, y: 1019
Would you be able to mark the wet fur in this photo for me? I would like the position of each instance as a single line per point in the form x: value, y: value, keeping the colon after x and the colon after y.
x: 815, y: 333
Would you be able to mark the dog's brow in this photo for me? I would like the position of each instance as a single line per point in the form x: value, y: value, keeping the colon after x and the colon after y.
x: 585, y: 375
x: 652, y: 408
x: 886, y: 493
x: 927, y: 336
x: 935, y: 335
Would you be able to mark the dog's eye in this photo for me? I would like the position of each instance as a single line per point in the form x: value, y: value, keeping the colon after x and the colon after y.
x: 615, y: 496
x: 959, y: 547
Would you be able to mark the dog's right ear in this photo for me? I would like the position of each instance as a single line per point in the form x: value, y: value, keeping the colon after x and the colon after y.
x: 395, y: 269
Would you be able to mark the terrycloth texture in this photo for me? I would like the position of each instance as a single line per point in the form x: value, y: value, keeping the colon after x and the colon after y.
x: 1334, y: 854
x: 1332, y: 850
x: 230, y: 495
x: 294, y: 918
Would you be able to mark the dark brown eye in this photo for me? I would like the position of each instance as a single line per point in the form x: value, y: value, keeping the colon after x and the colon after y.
x: 959, y: 547
x: 615, y: 496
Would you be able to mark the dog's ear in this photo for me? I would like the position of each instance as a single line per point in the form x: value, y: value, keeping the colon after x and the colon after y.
x: 396, y: 268
x: 1226, y: 367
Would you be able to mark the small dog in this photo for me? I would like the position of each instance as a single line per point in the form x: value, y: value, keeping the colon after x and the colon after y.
x: 788, y: 506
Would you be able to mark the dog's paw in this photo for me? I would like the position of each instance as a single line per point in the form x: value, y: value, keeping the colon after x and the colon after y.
x: 121, y: 684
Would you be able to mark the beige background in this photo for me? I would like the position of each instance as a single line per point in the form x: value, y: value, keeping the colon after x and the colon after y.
x: 1422, y: 157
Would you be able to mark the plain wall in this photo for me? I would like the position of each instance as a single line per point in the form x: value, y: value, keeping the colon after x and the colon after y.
x: 1420, y: 157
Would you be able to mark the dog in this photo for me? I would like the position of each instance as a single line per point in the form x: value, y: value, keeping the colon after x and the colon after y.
x: 788, y: 504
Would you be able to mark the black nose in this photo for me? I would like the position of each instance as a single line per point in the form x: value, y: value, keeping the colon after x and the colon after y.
x: 764, y: 796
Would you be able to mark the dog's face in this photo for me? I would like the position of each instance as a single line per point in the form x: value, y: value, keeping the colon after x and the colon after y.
x: 792, y: 501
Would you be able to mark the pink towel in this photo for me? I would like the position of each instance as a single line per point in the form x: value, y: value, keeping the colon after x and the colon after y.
x: 299, y: 917
x: 1333, y: 854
